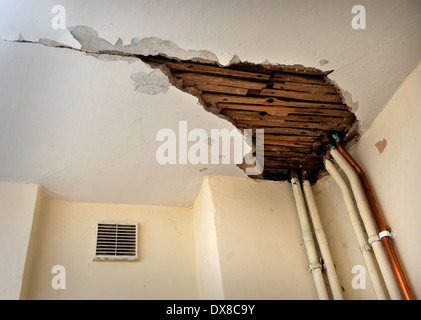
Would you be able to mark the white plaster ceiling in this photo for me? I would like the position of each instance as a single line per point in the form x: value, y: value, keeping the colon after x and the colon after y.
x: 75, y: 124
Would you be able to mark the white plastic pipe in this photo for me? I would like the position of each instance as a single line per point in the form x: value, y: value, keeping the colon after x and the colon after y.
x: 314, y: 265
x: 322, y: 241
x: 370, y: 225
x: 365, y: 248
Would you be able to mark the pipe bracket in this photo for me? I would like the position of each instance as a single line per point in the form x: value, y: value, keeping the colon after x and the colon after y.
x: 314, y: 266
x: 385, y: 233
x: 373, y: 239
x: 365, y: 247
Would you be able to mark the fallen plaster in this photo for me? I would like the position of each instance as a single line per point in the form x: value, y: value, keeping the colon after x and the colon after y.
x: 151, y: 83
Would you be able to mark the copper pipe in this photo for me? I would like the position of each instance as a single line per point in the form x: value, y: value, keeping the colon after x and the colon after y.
x: 387, y: 242
x: 397, y: 269
x: 366, y: 185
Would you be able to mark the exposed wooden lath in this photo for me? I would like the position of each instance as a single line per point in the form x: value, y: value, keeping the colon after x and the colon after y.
x: 296, y: 106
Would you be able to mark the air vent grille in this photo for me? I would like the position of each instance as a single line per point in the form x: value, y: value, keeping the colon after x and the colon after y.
x: 116, y: 241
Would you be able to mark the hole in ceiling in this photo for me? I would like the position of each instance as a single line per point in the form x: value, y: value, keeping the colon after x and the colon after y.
x: 298, y: 107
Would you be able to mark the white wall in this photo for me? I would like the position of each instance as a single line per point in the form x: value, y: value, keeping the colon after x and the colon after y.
x: 166, y: 265
x: 18, y: 209
x: 395, y: 173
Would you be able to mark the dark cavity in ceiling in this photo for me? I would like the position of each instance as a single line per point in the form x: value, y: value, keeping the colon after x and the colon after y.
x: 298, y: 108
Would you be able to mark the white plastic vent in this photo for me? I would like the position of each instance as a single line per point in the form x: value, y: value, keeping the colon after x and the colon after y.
x: 116, y: 240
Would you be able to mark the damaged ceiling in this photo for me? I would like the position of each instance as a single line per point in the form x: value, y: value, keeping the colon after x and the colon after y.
x: 85, y: 126
x: 297, y: 107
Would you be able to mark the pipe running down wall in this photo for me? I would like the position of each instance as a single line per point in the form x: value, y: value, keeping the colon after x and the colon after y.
x: 369, y: 224
x: 365, y: 248
x: 322, y: 241
x: 392, y: 272
x: 314, y: 265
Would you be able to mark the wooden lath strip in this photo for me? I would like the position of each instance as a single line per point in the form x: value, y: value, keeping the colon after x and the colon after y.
x: 191, y: 79
x: 292, y: 124
x: 225, y: 98
x: 288, y: 77
x: 279, y: 130
x: 221, y: 89
x: 296, y: 69
x: 283, y: 110
x: 287, y: 149
x: 289, y: 138
x: 211, y: 70
x: 300, y: 156
x: 251, y: 115
x: 297, y: 145
x: 305, y: 87
x: 298, y: 95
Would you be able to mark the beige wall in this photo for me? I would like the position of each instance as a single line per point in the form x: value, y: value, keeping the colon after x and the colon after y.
x: 260, y: 247
x: 18, y: 210
x: 395, y: 173
x: 166, y: 265
x: 241, y: 240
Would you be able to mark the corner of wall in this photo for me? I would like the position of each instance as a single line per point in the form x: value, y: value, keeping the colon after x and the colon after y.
x: 33, y: 240
x: 209, y: 277
x: 19, y: 207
